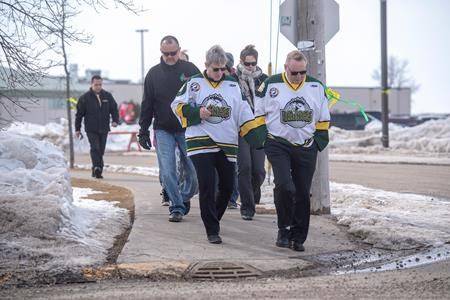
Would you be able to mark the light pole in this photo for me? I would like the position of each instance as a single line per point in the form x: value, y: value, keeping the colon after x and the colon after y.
x: 141, y: 31
x: 384, y: 79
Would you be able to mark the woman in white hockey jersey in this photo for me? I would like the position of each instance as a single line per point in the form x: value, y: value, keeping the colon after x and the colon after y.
x: 210, y: 105
x: 296, y: 113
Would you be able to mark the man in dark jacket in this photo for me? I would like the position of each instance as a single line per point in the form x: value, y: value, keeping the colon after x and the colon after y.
x: 160, y: 88
x: 96, y: 107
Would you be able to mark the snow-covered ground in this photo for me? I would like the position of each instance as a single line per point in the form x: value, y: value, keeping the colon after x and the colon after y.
x: 43, y: 225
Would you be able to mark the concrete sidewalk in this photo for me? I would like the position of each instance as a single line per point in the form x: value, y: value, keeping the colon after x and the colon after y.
x: 156, y: 244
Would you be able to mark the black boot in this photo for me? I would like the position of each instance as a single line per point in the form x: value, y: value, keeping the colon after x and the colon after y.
x: 98, y: 172
x: 283, y: 238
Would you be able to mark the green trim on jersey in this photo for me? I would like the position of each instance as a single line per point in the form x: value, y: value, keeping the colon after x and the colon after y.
x: 205, y: 142
x: 256, y: 137
x: 182, y: 90
x: 262, y: 90
x: 321, y: 138
x: 192, y: 114
x: 312, y: 79
x: 230, y: 78
x: 198, y: 75
x: 282, y: 140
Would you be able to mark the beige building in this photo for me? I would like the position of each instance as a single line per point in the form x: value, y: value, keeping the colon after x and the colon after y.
x: 370, y: 99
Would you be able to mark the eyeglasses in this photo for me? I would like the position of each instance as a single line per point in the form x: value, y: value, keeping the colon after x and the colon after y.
x: 298, y: 72
x: 219, y: 69
x: 248, y: 64
x: 171, y: 53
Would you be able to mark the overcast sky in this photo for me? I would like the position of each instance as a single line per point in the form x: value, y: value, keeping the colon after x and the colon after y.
x: 417, y: 32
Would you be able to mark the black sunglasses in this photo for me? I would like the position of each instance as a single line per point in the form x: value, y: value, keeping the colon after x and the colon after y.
x: 298, y: 72
x: 253, y: 63
x: 219, y: 69
x: 172, y: 53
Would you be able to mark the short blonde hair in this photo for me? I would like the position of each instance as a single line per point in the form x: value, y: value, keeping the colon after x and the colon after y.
x: 296, y: 55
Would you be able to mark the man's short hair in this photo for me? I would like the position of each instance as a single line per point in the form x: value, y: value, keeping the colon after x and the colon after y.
x: 296, y: 55
x: 170, y: 39
x: 96, y: 77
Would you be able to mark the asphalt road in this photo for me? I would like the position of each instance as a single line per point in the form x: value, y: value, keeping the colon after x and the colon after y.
x: 403, y: 178
x: 431, y: 281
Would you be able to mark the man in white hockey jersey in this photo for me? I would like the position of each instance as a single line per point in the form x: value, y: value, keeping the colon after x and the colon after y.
x: 296, y: 114
x: 211, y: 106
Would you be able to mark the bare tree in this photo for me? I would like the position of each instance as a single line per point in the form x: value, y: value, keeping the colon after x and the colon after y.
x: 31, y: 32
x: 398, y: 74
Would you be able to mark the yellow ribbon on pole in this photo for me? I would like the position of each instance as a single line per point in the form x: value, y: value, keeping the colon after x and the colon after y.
x: 73, y: 102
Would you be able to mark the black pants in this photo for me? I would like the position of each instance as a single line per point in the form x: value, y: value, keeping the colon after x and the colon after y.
x: 213, y: 207
x: 98, y: 143
x: 251, y: 176
x: 293, y: 170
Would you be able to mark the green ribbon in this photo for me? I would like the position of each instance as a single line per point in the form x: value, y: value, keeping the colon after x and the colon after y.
x: 334, y: 97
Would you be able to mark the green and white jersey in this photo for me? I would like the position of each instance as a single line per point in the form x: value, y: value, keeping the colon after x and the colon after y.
x: 294, y: 114
x: 231, y: 115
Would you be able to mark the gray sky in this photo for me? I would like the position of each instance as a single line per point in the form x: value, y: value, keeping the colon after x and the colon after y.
x: 417, y: 31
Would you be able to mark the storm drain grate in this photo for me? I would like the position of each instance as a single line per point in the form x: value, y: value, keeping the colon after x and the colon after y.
x: 222, y: 271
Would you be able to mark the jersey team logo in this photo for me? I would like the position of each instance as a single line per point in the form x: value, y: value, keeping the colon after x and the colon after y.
x: 195, y: 87
x: 273, y: 92
x: 218, y: 107
x: 296, y: 113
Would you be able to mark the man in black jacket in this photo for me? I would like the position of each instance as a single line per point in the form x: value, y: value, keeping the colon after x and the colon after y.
x: 160, y: 88
x: 96, y: 106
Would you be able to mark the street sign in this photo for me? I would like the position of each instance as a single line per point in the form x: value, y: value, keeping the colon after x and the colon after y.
x: 288, y: 20
x: 331, y: 19
x: 305, y: 45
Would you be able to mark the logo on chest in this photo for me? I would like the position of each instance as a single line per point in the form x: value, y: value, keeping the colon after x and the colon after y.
x: 297, y: 113
x: 218, y: 107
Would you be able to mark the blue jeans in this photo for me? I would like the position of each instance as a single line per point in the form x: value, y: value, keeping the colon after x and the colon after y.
x: 235, y: 193
x: 180, y: 186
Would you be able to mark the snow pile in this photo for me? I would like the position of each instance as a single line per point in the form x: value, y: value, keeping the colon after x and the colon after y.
x: 391, y: 220
x: 41, y: 226
x: 52, y: 132
x: 58, y: 135
x: 432, y: 137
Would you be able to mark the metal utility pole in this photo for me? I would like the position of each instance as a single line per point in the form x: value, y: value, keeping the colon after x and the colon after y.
x: 384, y: 77
x: 142, y: 31
x: 310, y: 27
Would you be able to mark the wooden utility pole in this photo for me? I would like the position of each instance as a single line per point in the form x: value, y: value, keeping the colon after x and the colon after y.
x: 311, y: 27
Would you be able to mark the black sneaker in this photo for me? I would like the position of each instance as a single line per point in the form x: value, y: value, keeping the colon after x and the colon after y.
x: 165, y: 198
x: 187, y: 207
x: 214, y: 239
x: 232, y: 205
x: 283, y: 238
x: 247, y: 218
x: 175, y: 217
x: 98, y: 173
x: 297, y: 246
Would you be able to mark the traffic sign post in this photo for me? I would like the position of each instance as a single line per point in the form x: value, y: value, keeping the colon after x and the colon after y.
x: 309, y: 25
